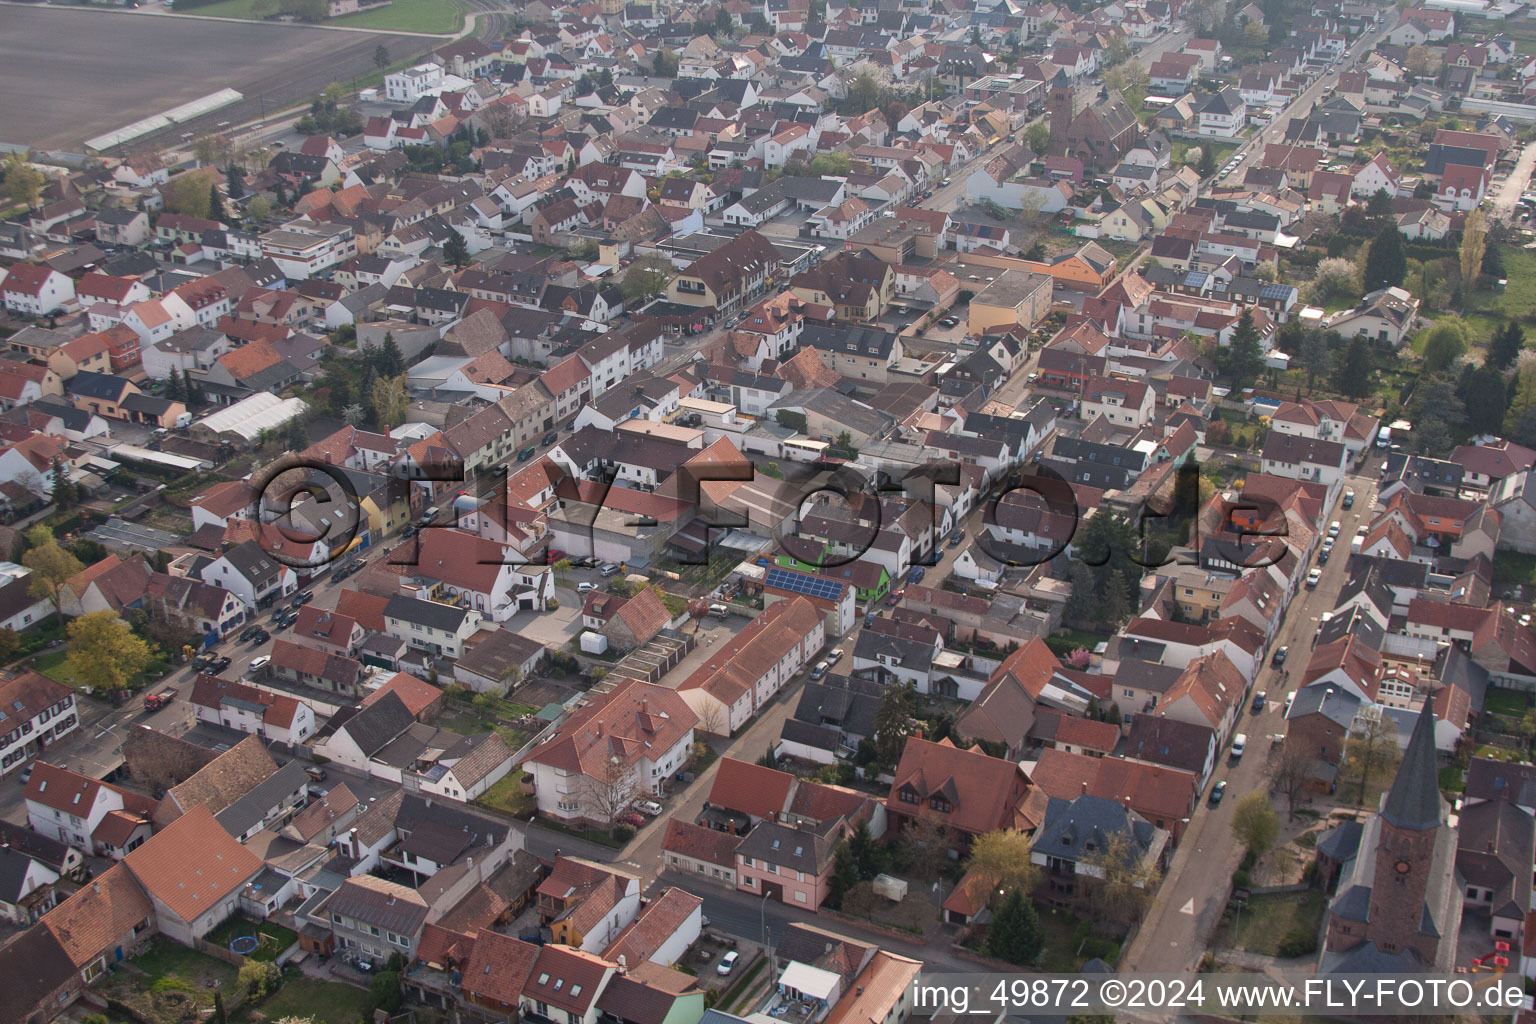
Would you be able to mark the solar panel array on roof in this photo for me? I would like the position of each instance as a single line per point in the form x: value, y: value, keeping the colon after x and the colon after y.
x: 1276, y: 291
x: 800, y: 583
x: 1195, y: 279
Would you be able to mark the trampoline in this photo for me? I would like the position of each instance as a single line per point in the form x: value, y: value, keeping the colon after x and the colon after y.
x: 244, y: 945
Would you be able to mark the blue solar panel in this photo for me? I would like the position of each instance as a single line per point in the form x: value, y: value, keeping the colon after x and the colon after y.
x: 1275, y: 291
x: 801, y: 583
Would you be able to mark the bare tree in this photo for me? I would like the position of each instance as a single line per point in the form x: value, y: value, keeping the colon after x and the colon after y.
x: 924, y: 847
x: 1126, y: 880
x: 1371, y: 750
x: 1288, y: 775
x: 610, y: 791
x: 712, y: 719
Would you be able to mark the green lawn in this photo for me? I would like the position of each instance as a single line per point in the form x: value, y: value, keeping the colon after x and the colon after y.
x: 55, y: 666
x: 1219, y: 150
x: 1267, y: 920
x: 281, y: 938
x: 438, y: 17
x: 1451, y: 779
x: 435, y: 17
x: 326, y: 1002
x: 1513, y: 567
x: 166, y: 959
x: 1487, y: 310
x: 508, y: 797
x: 1510, y: 703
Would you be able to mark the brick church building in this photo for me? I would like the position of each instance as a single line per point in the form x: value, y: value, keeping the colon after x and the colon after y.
x: 1099, y: 135
x: 1398, y: 907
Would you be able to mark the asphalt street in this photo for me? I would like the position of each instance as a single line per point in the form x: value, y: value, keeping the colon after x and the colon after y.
x: 1191, y: 900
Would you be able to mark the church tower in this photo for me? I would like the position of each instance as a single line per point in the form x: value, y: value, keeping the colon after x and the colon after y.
x: 1061, y: 106
x: 1412, y: 816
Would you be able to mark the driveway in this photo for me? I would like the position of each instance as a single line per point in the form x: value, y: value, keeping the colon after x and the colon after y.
x: 552, y: 628
x: 1509, y: 192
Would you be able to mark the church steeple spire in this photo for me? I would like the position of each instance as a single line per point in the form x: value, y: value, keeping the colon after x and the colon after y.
x: 1414, y: 801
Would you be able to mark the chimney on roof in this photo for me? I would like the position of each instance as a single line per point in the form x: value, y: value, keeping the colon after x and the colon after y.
x: 1085, y: 787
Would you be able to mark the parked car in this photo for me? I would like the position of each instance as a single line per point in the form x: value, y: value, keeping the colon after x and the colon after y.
x: 1239, y: 744
x: 819, y: 671
x: 835, y: 656
x: 608, y: 570
x: 1313, y: 577
x: 650, y: 807
x: 550, y: 438
x: 916, y: 574
x: 260, y: 662
x: 218, y: 664
x: 586, y: 587
x: 1285, y: 712
x: 727, y: 963
x: 1334, y: 528
x: 248, y: 632
x: 260, y: 637
x: 957, y: 538
x: 1258, y: 702
x: 302, y: 598
x: 1217, y: 792
x: 633, y: 819
x: 1349, y: 499
x: 527, y: 453
x: 1279, y: 656
x: 26, y: 773
x: 318, y: 774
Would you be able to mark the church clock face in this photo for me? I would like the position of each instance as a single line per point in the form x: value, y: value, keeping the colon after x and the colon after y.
x: 1403, y: 867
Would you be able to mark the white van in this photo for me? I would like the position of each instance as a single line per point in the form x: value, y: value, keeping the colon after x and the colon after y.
x: 1239, y: 744
x: 719, y: 610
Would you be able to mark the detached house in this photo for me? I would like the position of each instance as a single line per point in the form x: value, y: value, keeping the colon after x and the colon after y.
x: 638, y: 731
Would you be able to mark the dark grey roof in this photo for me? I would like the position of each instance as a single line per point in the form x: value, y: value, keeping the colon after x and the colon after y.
x: 816, y: 737
x: 1367, y: 958
x: 1079, y: 829
x: 253, y: 563
x: 1342, y: 843
x: 1352, y: 622
x: 375, y: 725
x: 1169, y: 742
x: 847, y: 703
x: 1500, y: 780
x: 1414, y: 801
x: 1332, y: 701
x: 90, y: 384
x: 34, y: 844
x: 429, y: 613
x: 806, y: 849
x: 13, y: 874
x: 248, y: 811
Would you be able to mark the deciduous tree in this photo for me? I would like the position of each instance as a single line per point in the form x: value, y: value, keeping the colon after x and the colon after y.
x: 1370, y: 751
x: 104, y: 653
x: 1254, y: 823
x: 51, y: 565
x: 1474, y: 240
x: 1002, y: 856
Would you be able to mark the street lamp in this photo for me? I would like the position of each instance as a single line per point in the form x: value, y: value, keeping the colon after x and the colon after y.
x: 762, y: 919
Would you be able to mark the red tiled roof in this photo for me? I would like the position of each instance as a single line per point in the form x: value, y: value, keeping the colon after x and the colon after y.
x: 699, y: 843
x: 751, y: 789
